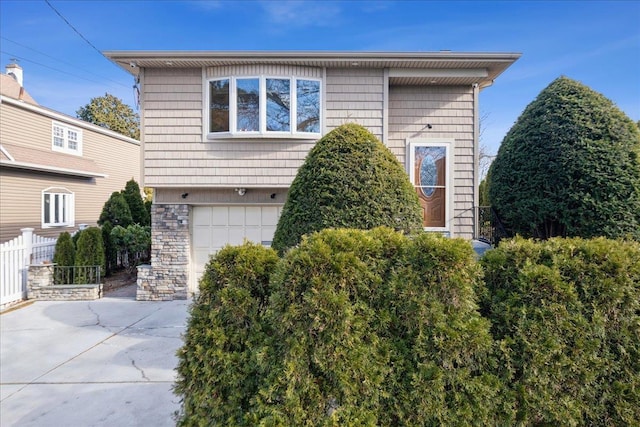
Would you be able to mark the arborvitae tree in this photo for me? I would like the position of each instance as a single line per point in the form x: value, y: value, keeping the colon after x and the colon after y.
x: 90, y: 252
x: 65, y: 250
x: 132, y: 195
x: 110, y: 112
x: 116, y: 211
x: 569, y: 166
x: 110, y: 251
x: 64, y: 257
x: 349, y: 179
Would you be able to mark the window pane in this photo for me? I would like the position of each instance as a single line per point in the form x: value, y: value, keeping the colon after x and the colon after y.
x: 58, y: 136
x: 63, y: 206
x: 278, y: 104
x: 219, y: 106
x: 47, y: 208
x: 308, y: 105
x: 248, y: 105
x: 73, y: 139
x: 56, y: 208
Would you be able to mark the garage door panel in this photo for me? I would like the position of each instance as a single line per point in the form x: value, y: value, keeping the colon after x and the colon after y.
x: 219, y: 237
x: 219, y: 214
x: 213, y: 227
x: 202, y: 217
x: 236, y: 215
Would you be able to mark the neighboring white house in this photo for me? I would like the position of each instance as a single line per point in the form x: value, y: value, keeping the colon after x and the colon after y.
x: 223, y: 134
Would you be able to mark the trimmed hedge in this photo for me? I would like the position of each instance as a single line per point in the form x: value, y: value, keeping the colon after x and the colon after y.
x: 350, y: 328
x: 218, y: 367
x: 355, y: 328
x: 348, y: 180
x: 567, y: 314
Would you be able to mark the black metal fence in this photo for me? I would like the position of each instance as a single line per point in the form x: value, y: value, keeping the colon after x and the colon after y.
x: 490, y: 228
x: 76, y: 275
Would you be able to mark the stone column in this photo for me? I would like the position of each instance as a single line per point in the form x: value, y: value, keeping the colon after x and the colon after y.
x: 168, y: 277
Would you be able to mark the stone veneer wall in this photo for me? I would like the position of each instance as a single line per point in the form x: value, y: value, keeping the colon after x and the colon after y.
x: 40, y: 287
x: 168, y: 276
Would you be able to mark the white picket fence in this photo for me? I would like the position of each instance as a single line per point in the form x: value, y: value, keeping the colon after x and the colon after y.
x: 15, y: 257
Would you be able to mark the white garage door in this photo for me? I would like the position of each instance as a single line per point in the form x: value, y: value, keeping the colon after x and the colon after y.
x: 213, y: 227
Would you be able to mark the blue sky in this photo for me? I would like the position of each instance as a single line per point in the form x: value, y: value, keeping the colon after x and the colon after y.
x: 594, y: 42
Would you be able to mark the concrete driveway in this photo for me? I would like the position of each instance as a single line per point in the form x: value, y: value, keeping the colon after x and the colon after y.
x: 108, y: 362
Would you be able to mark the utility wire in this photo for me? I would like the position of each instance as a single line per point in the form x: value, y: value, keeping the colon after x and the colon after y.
x: 59, y: 60
x: 80, y: 34
x: 11, y: 55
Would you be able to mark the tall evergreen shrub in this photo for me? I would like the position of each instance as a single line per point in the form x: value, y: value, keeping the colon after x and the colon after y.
x: 116, y: 211
x: 348, y: 180
x: 64, y: 256
x: 133, y: 197
x: 569, y: 166
x: 90, y: 252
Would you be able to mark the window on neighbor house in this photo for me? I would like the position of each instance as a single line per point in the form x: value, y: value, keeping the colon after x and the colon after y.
x: 57, y: 207
x: 66, y: 139
x: 264, y: 106
x: 430, y: 172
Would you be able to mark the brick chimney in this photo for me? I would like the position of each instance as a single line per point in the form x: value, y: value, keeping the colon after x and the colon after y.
x: 15, y: 71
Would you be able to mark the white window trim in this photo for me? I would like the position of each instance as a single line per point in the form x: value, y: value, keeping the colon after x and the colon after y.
x: 448, y: 144
x: 262, y: 132
x: 65, y: 148
x: 70, y: 207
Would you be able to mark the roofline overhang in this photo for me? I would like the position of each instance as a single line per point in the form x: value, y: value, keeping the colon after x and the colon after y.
x: 132, y: 61
x: 51, y: 169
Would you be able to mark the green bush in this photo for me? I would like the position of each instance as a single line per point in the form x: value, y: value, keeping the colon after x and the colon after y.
x: 65, y: 251
x: 348, y: 180
x: 133, y: 197
x: 116, y: 211
x: 569, y: 166
x: 350, y: 328
x: 110, y: 250
x: 567, y: 315
x: 64, y: 256
x: 89, y: 252
x: 217, y: 371
x: 133, y: 243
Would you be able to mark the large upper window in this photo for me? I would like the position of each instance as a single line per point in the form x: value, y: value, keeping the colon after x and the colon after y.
x: 430, y: 173
x: 66, y: 138
x: 57, y: 207
x: 264, y: 106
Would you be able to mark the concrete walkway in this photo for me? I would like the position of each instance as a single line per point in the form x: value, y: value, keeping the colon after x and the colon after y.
x: 108, y: 362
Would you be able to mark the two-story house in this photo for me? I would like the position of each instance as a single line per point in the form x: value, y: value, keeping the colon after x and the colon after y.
x: 56, y: 171
x: 223, y: 134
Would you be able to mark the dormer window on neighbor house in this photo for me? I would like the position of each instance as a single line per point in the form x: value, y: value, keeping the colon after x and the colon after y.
x: 66, y: 139
x: 264, y: 107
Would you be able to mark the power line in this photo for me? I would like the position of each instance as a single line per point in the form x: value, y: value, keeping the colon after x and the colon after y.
x: 62, y: 62
x: 80, y: 34
x: 11, y: 55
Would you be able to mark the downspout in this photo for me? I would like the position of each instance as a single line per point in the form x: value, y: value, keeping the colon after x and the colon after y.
x: 476, y: 159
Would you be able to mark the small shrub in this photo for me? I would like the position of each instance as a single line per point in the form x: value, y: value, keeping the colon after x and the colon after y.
x: 64, y: 256
x: 133, y: 243
x: 89, y: 252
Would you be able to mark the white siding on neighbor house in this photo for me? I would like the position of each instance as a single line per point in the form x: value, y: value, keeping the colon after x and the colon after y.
x: 177, y: 152
x: 355, y: 96
x: 449, y: 110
